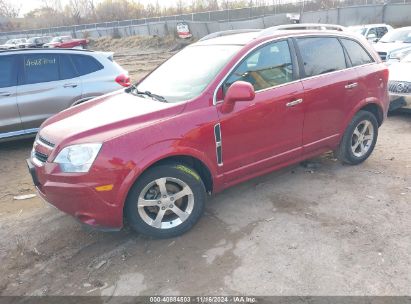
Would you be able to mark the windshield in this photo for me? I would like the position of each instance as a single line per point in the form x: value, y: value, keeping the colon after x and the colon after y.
x: 399, y: 35
x: 358, y: 30
x: 10, y: 41
x: 56, y: 39
x: 189, y: 72
x: 31, y: 40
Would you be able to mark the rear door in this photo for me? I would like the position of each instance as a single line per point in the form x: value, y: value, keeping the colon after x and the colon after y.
x: 49, y: 84
x: 330, y: 88
x: 9, y: 114
x: 371, y: 78
x: 97, y: 80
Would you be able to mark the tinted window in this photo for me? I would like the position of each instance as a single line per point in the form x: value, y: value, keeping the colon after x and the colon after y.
x: 267, y: 67
x: 321, y: 55
x: 8, y: 71
x: 381, y: 31
x: 67, y: 69
x: 356, y: 52
x: 41, y: 68
x: 86, y: 64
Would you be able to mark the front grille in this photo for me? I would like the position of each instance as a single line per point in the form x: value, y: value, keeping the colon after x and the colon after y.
x: 383, y: 55
x: 401, y: 87
x: 46, y: 142
x: 40, y: 156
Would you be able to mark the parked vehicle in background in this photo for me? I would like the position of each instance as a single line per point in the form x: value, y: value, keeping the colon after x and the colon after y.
x: 217, y: 113
x: 13, y: 44
x: 37, y: 42
x: 372, y: 32
x: 36, y: 84
x: 9, y: 44
x: 394, y: 45
x: 399, y: 85
x: 67, y: 42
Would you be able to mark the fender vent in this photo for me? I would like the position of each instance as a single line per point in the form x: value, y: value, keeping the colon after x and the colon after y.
x: 218, y: 144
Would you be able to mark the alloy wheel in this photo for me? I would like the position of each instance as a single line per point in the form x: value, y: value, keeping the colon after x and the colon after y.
x: 362, y: 138
x: 165, y: 203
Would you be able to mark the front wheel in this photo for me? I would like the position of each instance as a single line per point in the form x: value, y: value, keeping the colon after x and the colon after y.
x: 166, y: 201
x: 359, y: 139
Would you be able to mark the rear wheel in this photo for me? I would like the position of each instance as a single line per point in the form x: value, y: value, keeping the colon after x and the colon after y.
x: 359, y: 139
x: 166, y: 201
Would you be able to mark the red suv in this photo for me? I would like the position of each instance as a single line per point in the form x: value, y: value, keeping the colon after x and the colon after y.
x: 219, y: 112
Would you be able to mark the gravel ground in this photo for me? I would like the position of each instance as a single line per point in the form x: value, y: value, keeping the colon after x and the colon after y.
x: 315, y: 229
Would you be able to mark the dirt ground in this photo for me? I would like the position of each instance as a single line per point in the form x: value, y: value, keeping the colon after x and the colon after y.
x: 318, y: 229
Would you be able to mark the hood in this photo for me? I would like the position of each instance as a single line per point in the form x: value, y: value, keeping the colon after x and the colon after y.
x: 106, y: 117
x: 400, y: 71
x: 390, y: 46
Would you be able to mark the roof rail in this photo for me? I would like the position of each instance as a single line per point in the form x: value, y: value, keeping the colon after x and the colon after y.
x: 303, y: 26
x: 229, y: 32
x: 44, y: 49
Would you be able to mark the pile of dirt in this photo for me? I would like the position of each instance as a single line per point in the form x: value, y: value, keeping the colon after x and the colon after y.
x: 139, y: 42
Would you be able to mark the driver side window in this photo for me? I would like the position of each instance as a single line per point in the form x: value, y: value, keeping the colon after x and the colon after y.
x: 267, y: 67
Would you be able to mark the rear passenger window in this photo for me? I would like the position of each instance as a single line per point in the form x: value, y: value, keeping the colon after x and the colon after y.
x: 40, y: 68
x: 86, y: 64
x: 8, y: 71
x: 67, y: 70
x: 356, y: 52
x: 321, y: 55
x: 267, y: 67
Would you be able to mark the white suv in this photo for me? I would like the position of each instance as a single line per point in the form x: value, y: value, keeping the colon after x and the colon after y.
x: 36, y: 84
x: 372, y: 32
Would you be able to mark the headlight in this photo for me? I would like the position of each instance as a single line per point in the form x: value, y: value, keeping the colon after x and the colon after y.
x: 77, y: 158
x: 399, y: 55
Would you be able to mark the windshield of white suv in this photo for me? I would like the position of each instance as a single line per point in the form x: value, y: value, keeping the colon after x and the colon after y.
x: 399, y: 35
x: 185, y: 75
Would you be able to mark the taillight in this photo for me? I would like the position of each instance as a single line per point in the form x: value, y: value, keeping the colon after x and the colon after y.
x: 123, y: 80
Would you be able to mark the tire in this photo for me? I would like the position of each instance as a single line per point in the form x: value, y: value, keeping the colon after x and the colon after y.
x: 359, y: 139
x: 148, y: 200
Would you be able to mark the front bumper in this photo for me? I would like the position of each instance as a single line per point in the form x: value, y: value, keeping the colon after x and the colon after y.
x: 77, y: 197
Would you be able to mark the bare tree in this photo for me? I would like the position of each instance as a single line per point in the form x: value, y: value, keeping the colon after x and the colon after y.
x: 8, y: 10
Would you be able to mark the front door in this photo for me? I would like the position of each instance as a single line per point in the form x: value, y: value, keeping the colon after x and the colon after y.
x: 267, y: 131
x: 10, y: 123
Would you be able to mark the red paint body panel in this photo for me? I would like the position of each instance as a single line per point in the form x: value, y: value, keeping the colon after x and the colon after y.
x: 258, y: 136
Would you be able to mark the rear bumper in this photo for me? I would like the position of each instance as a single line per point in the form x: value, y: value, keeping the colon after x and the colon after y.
x: 400, y: 101
x: 78, y: 199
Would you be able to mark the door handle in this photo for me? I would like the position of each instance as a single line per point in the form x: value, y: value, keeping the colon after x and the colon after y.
x: 70, y: 85
x: 5, y: 94
x: 351, y: 85
x: 294, y: 103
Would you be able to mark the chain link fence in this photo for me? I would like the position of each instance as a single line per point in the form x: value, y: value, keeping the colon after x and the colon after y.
x: 330, y: 12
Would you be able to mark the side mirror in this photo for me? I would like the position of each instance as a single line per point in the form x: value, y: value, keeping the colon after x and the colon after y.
x: 239, y: 91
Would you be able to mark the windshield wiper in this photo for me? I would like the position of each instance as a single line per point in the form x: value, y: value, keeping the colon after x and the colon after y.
x: 134, y: 89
